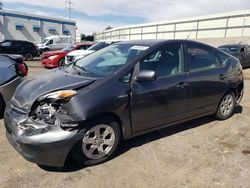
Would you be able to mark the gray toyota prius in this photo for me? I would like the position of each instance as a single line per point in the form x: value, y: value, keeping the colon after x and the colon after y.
x: 127, y: 89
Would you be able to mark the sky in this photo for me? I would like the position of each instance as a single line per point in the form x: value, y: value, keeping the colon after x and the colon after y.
x: 95, y: 15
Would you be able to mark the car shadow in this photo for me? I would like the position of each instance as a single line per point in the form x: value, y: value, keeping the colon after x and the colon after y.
x: 71, y: 165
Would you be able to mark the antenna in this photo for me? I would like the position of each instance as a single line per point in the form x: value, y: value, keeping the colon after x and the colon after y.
x: 68, y: 7
x: 191, y: 32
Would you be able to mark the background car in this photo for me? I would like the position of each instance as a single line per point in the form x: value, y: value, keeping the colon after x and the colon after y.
x: 12, y: 71
x: 240, y: 51
x: 55, y: 42
x: 55, y: 59
x: 78, y: 54
x: 27, y: 49
x: 87, y: 108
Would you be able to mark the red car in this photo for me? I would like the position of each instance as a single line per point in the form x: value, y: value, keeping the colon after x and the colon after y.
x: 55, y: 59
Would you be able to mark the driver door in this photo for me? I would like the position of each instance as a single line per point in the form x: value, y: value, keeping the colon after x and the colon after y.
x: 164, y: 100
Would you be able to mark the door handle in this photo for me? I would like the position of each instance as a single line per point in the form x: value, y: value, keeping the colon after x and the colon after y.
x: 182, y: 85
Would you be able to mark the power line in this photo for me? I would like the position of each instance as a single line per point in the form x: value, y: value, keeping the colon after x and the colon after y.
x: 68, y: 6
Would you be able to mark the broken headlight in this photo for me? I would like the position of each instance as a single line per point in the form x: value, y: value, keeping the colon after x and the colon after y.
x: 49, y: 104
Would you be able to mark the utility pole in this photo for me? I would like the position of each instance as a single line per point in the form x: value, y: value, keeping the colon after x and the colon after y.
x: 1, y: 5
x: 69, y: 7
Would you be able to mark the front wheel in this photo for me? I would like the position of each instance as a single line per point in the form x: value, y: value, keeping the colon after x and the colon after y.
x: 226, y: 106
x: 61, y: 63
x: 99, y: 142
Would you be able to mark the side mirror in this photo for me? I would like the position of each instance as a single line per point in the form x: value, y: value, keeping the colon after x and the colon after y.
x: 145, y: 75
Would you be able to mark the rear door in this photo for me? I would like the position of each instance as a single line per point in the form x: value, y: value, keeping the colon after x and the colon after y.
x: 207, y: 79
x: 155, y: 103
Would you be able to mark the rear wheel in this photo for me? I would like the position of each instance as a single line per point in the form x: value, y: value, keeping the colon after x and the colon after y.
x: 226, y: 106
x: 28, y: 57
x: 99, y: 142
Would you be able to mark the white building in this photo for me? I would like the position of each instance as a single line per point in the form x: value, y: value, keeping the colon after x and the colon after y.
x: 231, y: 27
x: 31, y: 27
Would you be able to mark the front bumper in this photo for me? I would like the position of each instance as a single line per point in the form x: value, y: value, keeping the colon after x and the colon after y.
x: 47, y: 63
x: 50, y: 148
x: 7, y: 90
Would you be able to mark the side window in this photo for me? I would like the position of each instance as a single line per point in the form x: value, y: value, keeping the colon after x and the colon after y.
x: 127, y: 77
x: 200, y: 58
x: 223, y: 59
x: 6, y: 44
x: 50, y: 42
x: 166, y: 61
x: 243, y: 50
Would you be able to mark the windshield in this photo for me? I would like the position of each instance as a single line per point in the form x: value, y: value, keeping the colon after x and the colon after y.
x: 44, y: 41
x: 110, y: 59
x: 98, y: 46
x: 69, y: 48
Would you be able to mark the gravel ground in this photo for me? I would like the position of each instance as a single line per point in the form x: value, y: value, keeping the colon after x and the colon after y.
x: 199, y: 153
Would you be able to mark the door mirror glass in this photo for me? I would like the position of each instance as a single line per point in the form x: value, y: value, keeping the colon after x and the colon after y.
x: 146, y: 75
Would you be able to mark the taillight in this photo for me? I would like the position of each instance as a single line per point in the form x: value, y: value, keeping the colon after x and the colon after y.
x: 22, y: 69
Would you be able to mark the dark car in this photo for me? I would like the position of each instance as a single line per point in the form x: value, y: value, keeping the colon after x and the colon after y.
x: 12, y: 71
x: 121, y: 91
x: 240, y: 51
x: 27, y: 49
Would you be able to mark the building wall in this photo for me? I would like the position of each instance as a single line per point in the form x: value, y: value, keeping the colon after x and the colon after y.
x: 9, y: 21
x: 215, y: 29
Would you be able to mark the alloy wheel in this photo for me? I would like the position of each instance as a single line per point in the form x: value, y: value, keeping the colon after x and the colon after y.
x: 227, y: 105
x: 98, y: 141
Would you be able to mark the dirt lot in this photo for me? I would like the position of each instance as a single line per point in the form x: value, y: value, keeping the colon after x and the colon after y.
x: 200, y: 153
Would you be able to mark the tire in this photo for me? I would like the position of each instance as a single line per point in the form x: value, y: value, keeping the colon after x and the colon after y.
x: 45, y: 50
x: 2, y: 106
x: 28, y: 57
x: 89, y: 151
x: 226, y: 106
x: 61, y: 62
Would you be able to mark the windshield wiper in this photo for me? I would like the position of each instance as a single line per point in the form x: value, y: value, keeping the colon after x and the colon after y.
x: 82, y: 69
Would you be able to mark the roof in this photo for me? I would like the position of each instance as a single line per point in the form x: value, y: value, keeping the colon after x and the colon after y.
x: 233, y: 45
x: 150, y: 42
x: 36, y: 17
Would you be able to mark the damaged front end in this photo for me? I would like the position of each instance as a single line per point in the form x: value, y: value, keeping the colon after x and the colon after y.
x: 40, y: 136
x: 46, y: 108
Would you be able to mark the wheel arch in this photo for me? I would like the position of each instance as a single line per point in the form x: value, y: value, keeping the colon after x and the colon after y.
x: 112, y: 115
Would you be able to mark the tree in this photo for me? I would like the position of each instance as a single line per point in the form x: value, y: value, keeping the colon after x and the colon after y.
x: 87, y: 37
x: 108, y: 28
x: 83, y: 37
x: 1, y: 5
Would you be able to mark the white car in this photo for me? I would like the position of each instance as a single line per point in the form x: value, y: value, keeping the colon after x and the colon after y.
x: 55, y: 43
x: 79, y: 54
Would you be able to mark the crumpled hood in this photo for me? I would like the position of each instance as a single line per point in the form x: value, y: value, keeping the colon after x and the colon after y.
x: 32, y: 88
